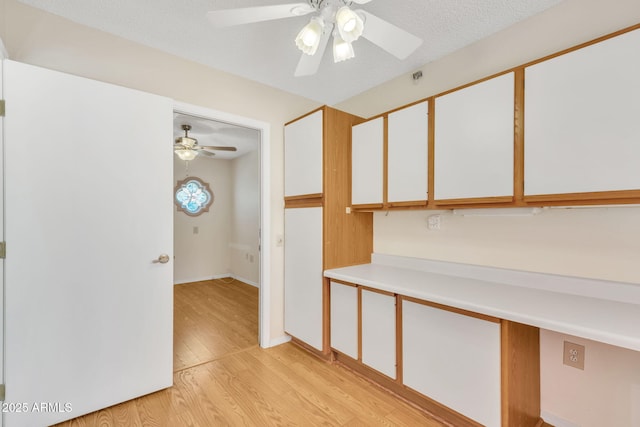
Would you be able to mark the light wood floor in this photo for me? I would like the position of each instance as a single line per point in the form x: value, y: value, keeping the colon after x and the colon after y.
x: 242, y: 384
x: 212, y: 319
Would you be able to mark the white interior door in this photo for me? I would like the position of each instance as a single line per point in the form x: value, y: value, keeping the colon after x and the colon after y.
x: 88, y: 206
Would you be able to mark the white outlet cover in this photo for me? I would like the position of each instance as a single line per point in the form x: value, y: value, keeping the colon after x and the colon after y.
x: 434, y: 222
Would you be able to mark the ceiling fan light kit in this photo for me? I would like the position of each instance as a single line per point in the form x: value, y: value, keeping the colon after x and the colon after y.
x: 186, y: 154
x: 187, y: 148
x: 349, y: 23
x: 345, y: 25
x: 342, y: 50
x: 331, y: 18
x: 308, y: 38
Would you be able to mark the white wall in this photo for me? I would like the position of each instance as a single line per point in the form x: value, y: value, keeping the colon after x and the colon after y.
x: 245, y: 218
x: 600, y: 243
x: 43, y: 39
x: 226, y: 242
x: 606, y: 393
x: 204, y: 255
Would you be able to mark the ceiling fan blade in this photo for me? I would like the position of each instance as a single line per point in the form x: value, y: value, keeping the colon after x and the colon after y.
x: 309, y: 64
x: 393, y: 39
x: 248, y: 15
x: 206, y: 153
x: 219, y: 148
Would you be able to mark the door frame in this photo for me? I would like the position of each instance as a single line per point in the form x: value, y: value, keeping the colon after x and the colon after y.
x: 264, y: 304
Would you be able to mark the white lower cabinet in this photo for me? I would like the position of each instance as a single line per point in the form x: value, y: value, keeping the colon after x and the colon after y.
x: 379, y: 332
x: 453, y: 359
x: 344, y: 319
x: 303, y: 274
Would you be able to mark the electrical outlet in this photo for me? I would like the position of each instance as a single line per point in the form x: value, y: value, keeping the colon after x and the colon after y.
x: 573, y: 355
x: 433, y: 222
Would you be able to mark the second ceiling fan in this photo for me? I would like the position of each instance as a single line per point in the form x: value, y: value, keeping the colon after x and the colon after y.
x: 330, y: 18
x: 187, y: 148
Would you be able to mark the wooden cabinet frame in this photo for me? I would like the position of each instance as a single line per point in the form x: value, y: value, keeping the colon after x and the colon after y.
x: 518, y: 199
x: 347, y: 239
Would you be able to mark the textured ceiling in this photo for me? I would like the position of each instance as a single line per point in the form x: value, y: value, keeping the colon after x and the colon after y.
x: 266, y: 52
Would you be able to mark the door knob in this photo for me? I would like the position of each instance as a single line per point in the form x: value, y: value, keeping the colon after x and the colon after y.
x: 162, y: 259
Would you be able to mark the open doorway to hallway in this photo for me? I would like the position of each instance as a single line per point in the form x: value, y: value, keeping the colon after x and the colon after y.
x: 216, y: 249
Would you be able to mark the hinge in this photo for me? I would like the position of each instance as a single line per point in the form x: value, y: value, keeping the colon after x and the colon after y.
x: 3, y: 250
x: 2, y: 392
x: 1, y: 107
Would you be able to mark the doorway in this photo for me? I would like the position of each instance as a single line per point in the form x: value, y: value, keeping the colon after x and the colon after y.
x: 241, y: 256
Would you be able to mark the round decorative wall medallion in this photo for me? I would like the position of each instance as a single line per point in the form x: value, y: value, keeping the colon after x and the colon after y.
x: 193, y: 196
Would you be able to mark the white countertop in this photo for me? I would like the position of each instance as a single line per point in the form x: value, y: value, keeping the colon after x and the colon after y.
x: 512, y: 295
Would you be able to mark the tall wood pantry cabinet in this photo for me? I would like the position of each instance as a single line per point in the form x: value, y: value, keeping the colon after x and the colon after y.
x: 319, y: 232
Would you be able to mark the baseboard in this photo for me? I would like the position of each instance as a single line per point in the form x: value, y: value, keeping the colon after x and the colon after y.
x: 247, y: 281
x: 279, y: 340
x: 218, y: 276
x: 201, y: 279
x: 556, y: 421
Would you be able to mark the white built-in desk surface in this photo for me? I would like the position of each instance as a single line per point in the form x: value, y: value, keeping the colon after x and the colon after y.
x: 599, y: 310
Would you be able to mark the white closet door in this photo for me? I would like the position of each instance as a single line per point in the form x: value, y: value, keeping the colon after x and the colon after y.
x: 408, y: 159
x: 474, y: 134
x: 303, y: 156
x: 303, y: 274
x: 88, y: 207
x: 379, y: 332
x: 453, y: 359
x: 582, y: 119
x: 367, y: 143
x: 344, y: 319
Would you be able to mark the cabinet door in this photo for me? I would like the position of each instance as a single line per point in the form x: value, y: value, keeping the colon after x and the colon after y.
x: 303, y: 156
x: 344, y: 319
x: 582, y: 119
x: 303, y: 274
x: 367, y: 143
x: 407, y: 157
x: 474, y: 135
x: 379, y: 332
x: 453, y: 359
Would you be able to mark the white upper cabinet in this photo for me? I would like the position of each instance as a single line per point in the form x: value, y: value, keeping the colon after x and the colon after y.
x: 474, y: 138
x: 303, y: 156
x: 407, y: 157
x: 367, y: 144
x: 582, y: 119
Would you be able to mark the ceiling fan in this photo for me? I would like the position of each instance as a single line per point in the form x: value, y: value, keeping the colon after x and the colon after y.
x: 187, y: 148
x: 330, y: 18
